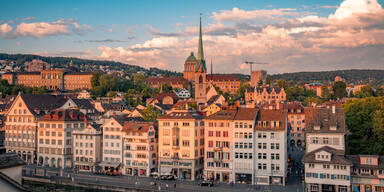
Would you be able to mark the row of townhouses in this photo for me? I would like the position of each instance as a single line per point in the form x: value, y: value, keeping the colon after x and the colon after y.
x: 243, y: 145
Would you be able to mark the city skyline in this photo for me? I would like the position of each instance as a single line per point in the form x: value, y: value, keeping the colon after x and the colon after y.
x: 290, y: 36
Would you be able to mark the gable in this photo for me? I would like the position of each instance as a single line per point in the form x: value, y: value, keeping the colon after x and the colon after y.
x: 323, y: 156
x: 69, y: 104
x: 19, y: 105
x: 112, y: 123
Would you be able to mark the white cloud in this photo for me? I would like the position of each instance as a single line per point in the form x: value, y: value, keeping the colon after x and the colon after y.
x: 294, y: 42
x: 43, y: 29
x: 5, y: 30
x: 349, y: 7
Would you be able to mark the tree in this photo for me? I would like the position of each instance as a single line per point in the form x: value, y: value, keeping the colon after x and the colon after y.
x: 282, y: 83
x: 242, y: 88
x: 166, y: 74
x: 380, y: 92
x: 268, y: 80
x: 339, y: 90
x: 325, y: 94
x: 365, y: 91
x: 364, y: 121
x: 150, y: 113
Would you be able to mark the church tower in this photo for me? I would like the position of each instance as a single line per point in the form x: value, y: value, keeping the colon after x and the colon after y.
x: 200, y: 72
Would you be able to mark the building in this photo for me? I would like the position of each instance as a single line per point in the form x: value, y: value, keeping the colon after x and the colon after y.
x: 226, y: 83
x: 21, y: 123
x: 324, y: 127
x: 258, y: 76
x: 296, y: 119
x: 174, y: 82
x: 37, y: 65
x: 327, y: 169
x: 51, y: 79
x: 264, y: 95
x: 113, y: 144
x: 87, y: 147
x: 181, y: 144
x: 271, y: 144
x: 139, y: 148
x: 200, y: 74
x: 183, y: 93
x: 55, y: 141
x: 218, y: 146
x: 316, y: 87
x: 243, y: 146
x: 326, y: 166
x: 367, y: 173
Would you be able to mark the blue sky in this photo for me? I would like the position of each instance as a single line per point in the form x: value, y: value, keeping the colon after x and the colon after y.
x: 121, y: 30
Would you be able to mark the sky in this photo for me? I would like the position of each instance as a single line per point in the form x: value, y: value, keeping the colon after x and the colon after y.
x: 289, y: 36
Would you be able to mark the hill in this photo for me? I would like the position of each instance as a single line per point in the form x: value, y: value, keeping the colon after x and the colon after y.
x: 351, y: 76
x: 84, y: 64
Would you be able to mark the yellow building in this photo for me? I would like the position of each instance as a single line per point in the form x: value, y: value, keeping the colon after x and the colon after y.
x: 181, y: 144
x: 212, y: 109
x: 21, y: 123
x: 265, y: 95
x: 55, y: 148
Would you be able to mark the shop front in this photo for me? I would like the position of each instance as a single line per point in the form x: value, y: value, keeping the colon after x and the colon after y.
x: 243, y: 178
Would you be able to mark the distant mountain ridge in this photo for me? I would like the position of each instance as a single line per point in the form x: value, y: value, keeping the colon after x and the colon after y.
x: 350, y: 75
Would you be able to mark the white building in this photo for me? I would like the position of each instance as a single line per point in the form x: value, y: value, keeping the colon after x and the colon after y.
x: 112, y: 144
x: 183, y: 93
x: 326, y: 167
x: 326, y: 128
x: 270, y: 156
x: 87, y: 147
x: 140, y: 148
x: 243, y: 145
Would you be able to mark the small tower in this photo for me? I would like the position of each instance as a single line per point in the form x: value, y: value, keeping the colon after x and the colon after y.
x: 200, y: 72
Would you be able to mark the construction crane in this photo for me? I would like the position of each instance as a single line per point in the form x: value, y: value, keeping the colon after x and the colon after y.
x: 250, y: 63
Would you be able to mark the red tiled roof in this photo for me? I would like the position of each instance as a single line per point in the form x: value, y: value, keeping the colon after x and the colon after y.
x: 166, y: 80
x: 64, y: 115
x: 228, y: 77
x: 137, y: 126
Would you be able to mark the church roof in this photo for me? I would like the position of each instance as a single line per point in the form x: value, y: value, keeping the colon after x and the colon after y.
x: 191, y: 58
x: 200, y: 67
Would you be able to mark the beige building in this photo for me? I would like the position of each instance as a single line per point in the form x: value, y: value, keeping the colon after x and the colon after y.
x: 139, y: 148
x: 55, y: 141
x: 21, y: 123
x: 264, y: 95
x: 87, y: 147
x: 181, y: 144
x: 218, y: 143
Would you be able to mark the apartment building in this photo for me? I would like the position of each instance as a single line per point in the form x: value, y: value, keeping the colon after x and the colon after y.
x: 326, y: 166
x: 218, y: 146
x: 139, y: 148
x: 87, y: 147
x: 21, y: 123
x: 271, y: 140
x: 325, y: 127
x: 367, y: 173
x: 55, y: 144
x: 113, y: 144
x: 181, y: 144
x: 243, y: 145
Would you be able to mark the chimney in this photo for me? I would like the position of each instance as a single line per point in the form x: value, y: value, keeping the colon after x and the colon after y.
x: 333, y: 109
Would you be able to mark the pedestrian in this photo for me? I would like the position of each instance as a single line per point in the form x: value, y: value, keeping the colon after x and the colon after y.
x: 174, y: 185
x: 166, y: 186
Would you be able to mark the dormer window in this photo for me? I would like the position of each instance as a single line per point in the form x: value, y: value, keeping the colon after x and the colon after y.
x: 333, y: 128
x: 316, y: 127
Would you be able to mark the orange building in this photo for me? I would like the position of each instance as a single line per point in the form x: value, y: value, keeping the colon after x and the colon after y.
x: 226, y: 83
x: 264, y: 95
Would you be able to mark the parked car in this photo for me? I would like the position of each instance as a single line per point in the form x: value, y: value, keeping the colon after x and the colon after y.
x: 206, y: 183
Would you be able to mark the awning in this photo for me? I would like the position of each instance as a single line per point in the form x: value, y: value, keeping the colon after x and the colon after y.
x: 165, y: 170
x: 109, y: 164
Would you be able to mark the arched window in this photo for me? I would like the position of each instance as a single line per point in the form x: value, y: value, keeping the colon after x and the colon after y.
x: 201, y: 79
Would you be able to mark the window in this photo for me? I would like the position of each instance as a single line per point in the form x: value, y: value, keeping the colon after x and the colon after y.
x: 277, y: 146
x: 265, y: 146
x: 272, y: 135
x: 210, y: 143
x: 185, y: 143
x: 210, y: 133
x: 225, y: 133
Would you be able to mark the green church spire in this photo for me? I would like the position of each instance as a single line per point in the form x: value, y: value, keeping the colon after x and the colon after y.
x: 200, y: 52
x: 200, y: 66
